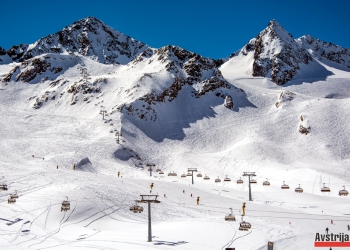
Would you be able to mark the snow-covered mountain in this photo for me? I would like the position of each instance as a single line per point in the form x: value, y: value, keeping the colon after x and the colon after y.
x: 88, y: 37
x: 177, y: 110
x: 328, y: 53
x: 275, y: 54
x: 4, y: 58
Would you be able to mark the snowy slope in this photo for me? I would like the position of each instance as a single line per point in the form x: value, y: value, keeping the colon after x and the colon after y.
x: 50, y: 108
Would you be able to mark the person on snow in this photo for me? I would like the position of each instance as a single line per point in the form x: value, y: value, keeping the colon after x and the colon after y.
x: 327, y: 230
x: 151, y: 185
x: 198, y: 200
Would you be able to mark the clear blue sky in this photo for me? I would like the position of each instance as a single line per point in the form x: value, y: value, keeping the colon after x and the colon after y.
x: 211, y: 28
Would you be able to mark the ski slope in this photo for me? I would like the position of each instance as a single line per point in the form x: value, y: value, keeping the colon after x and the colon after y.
x: 254, y: 136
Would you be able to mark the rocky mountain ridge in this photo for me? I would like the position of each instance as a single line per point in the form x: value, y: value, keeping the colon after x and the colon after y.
x: 88, y: 37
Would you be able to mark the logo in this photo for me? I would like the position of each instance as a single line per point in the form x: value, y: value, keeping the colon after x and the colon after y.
x: 332, y: 240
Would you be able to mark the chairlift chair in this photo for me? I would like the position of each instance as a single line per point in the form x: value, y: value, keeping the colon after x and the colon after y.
x: 11, y: 200
x: 140, y: 163
x: 252, y: 181
x: 244, y: 226
x: 3, y: 187
x: 189, y: 174
x: 174, y: 174
x: 284, y: 186
x: 240, y: 181
x: 299, y: 189
x: 343, y: 192
x: 230, y: 217
x: 227, y: 179
x: 266, y: 183
x: 170, y: 174
x: 217, y: 180
x: 14, y: 196
x: 65, y: 205
x: 183, y: 175
x: 325, y: 189
x: 160, y: 172
x: 206, y: 178
x: 136, y: 208
x: 199, y: 175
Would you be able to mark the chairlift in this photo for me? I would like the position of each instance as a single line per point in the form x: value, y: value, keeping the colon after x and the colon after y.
x: 252, y: 181
x: 240, y: 181
x: 227, y: 179
x: 105, y: 121
x: 170, y: 174
x: 183, y: 175
x: 230, y: 217
x: 206, y: 178
x: 199, y: 175
x: 140, y: 163
x: 174, y: 174
x: 325, y: 189
x: 158, y: 170
x: 284, y: 186
x: 189, y: 174
x: 3, y: 187
x: 299, y: 189
x: 123, y: 141
x: 131, y: 150
x: 111, y: 131
x: 266, y: 183
x: 14, y: 196
x: 11, y: 200
x: 244, y: 226
x: 136, y: 208
x: 161, y: 172
x: 65, y: 205
x: 343, y: 192
x: 217, y: 180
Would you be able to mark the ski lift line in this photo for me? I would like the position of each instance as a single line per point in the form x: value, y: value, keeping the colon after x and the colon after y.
x: 255, y: 210
x: 279, y: 217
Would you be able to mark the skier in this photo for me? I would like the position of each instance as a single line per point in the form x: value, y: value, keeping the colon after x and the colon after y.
x: 183, y: 191
x: 191, y: 195
x: 327, y: 230
x: 152, y: 185
x: 74, y: 167
x: 198, y: 200
x: 57, y: 167
x: 118, y: 173
x: 243, y: 209
x: 349, y: 227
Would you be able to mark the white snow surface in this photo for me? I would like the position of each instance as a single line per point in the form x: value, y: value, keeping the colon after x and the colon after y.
x: 254, y: 135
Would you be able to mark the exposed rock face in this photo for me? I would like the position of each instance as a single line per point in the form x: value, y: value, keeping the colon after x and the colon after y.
x: 2, y: 52
x: 89, y: 37
x: 187, y: 68
x: 276, y: 51
x: 4, y: 58
x: 275, y: 54
x: 228, y: 102
x: 284, y: 97
x: 326, y: 51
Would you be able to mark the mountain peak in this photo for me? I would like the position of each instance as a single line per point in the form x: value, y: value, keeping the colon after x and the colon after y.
x: 89, y: 37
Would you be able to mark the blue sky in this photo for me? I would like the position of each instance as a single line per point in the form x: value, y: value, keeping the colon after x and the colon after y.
x: 211, y: 28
